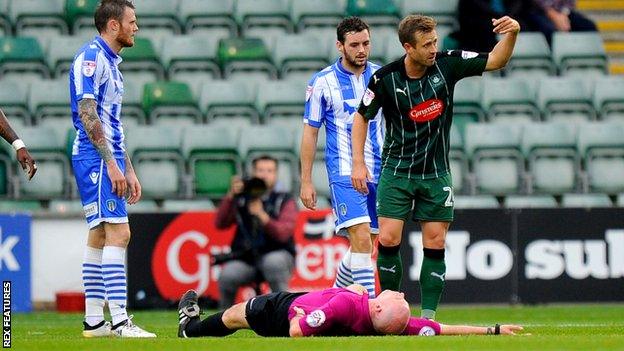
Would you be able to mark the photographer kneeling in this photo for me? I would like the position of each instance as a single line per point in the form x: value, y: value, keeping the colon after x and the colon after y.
x: 263, y: 247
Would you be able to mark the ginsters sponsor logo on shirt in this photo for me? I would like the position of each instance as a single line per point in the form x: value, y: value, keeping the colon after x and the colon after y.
x: 427, y: 110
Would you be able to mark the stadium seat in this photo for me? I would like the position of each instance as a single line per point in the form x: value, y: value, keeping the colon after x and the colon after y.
x: 50, y: 99
x: 38, y: 15
x: 48, y: 148
x: 5, y: 21
x: 263, y: 14
x: 133, y: 101
x: 142, y: 57
x: 529, y: 201
x: 245, y: 55
x: 375, y: 12
x: 458, y: 161
x: 14, y: 99
x: 19, y: 55
x: 173, y: 100
x: 60, y: 207
x: 507, y: 99
x: 171, y: 205
x: 320, y: 144
x: 190, y: 53
x: 565, y: 98
x: 61, y: 52
x: 327, y: 36
x: 394, y: 50
x: 379, y: 40
x: 582, y: 51
x: 79, y: 14
x: 20, y: 206
x: 601, y: 144
x: 609, y: 97
x: 316, y: 13
x: 158, y: 15
x: 531, y: 56
x: 444, y: 11
x: 208, y: 14
x: 620, y: 200
x: 228, y: 98
x: 497, y: 162
x: 212, y: 155
x: 299, y: 53
x: 281, y: 99
x: 157, y: 159
x: 553, y: 163
x: 585, y: 200
x: 7, y: 170
x: 467, y: 98
x: 475, y: 201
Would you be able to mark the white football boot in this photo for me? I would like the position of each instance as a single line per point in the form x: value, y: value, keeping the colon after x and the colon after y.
x: 127, y: 329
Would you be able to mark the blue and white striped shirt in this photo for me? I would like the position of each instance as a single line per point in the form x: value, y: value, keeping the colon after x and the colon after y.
x: 95, y: 75
x: 332, y: 97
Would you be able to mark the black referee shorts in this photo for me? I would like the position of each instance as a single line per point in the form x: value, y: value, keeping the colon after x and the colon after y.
x: 267, y: 315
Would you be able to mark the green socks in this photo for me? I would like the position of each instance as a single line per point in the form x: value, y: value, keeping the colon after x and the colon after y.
x: 389, y: 267
x: 432, y: 277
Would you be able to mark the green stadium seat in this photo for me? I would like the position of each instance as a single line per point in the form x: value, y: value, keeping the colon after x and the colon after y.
x: 228, y: 98
x: 553, y: 163
x: 61, y: 52
x: 326, y: 36
x: 49, y: 149
x: 601, y: 144
x: 142, y: 57
x: 444, y: 11
x: 143, y: 206
x: 609, y: 97
x: 208, y: 14
x: 375, y: 12
x: 290, y: 54
x: 133, y: 100
x: 245, y: 55
x: 212, y: 155
x: 531, y: 56
x: 61, y: 207
x: 530, y: 201
x: 565, y: 98
x: 49, y: 99
x: 190, y: 53
x: 173, y: 100
x: 20, y: 206
x: 5, y: 21
x: 475, y: 201
x: 39, y: 15
x: 458, y: 161
x: 188, y: 205
x: 585, y: 200
x: 263, y: 14
x: 579, y: 51
x: 157, y: 159
x: 158, y: 15
x: 620, y: 200
x: 194, y: 79
x: 509, y: 99
x: 14, y: 99
x: 79, y: 14
x: 497, y: 162
x: 467, y: 98
x: 316, y: 13
x: 281, y: 99
x: 22, y: 54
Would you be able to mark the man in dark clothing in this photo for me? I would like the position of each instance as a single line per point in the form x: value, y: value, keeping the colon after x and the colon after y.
x: 263, y: 247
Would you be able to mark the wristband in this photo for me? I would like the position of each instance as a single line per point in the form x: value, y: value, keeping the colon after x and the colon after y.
x: 497, y: 329
x: 18, y: 144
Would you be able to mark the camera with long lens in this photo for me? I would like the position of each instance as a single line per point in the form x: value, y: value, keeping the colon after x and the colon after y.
x: 253, y: 188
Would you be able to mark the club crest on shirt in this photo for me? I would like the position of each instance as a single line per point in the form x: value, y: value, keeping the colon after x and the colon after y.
x: 368, y: 97
x: 435, y: 80
x: 88, y: 68
x: 469, y: 54
x: 315, y: 319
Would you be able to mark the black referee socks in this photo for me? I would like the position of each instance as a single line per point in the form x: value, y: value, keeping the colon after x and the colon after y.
x: 211, y: 326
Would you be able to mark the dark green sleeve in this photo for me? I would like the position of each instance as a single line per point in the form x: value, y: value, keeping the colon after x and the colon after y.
x: 462, y: 64
x: 371, y: 100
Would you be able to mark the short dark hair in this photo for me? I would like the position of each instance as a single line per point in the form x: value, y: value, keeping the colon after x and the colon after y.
x: 263, y: 158
x: 412, y: 24
x: 350, y: 24
x: 110, y: 9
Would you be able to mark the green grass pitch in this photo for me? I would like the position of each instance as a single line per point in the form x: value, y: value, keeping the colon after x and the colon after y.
x: 551, y: 327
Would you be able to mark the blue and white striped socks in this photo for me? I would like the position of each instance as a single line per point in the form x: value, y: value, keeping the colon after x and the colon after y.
x: 114, y: 272
x: 343, y: 274
x: 362, y: 271
x: 94, y: 285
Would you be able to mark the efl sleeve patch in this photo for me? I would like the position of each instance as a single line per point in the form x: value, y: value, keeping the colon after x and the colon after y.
x: 88, y: 68
x: 315, y: 319
x: 469, y: 54
x: 368, y: 97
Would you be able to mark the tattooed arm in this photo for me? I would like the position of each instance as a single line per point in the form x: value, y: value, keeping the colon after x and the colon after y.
x: 23, y: 157
x: 134, y: 187
x: 95, y: 132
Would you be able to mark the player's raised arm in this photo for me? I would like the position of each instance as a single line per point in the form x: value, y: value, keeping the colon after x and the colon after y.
x: 87, y: 109
x: 23, y: 157
x: 501, y: 53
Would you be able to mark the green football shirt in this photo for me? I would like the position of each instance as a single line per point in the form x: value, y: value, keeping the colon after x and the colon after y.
x: 418, y: 112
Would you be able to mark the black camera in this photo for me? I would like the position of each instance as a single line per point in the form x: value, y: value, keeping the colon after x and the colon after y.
x: 254, y: 188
